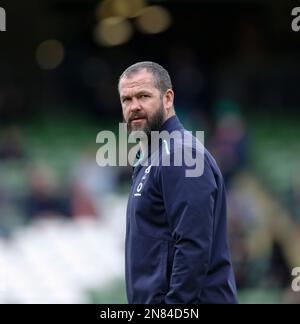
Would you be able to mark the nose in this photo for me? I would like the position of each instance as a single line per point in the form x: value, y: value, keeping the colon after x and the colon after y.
x: 135, y: 105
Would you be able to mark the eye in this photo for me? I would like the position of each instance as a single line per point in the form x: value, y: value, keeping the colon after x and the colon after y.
x: 126, y: 99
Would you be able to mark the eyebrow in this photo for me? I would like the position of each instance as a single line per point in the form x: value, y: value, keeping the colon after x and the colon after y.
x: 141, y: 92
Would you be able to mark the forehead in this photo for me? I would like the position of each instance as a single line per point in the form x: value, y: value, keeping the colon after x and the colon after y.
x: 136, y: 82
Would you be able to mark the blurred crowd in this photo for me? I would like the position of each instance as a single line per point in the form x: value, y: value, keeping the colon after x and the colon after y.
x: 31, y: 189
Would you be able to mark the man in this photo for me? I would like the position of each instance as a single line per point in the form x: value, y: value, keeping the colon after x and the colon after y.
x: 176, y: 241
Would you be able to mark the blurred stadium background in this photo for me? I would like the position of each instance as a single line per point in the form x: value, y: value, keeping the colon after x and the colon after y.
x: 236, y: 73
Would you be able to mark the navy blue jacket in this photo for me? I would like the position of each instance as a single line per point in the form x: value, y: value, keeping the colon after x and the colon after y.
x: 176, y: 235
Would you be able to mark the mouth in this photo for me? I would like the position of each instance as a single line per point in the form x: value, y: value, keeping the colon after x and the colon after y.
x: 137, y: 120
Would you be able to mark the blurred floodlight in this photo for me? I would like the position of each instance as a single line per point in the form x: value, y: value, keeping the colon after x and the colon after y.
x: 50, y: 54
x: 113, y: 31
x: 154, y: 19
x: 105, y: 9
x: 121, y: 8
x: 129, y: 8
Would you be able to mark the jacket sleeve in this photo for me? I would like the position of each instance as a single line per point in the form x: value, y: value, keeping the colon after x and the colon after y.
x: 189, y: 204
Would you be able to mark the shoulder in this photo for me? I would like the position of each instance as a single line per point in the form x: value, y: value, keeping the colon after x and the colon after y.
x: 185, y: 156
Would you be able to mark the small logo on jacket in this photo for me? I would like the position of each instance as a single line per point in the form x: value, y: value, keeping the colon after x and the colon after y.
x: 141, y: 184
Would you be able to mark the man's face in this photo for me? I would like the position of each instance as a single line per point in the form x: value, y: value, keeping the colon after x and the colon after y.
x: 142, y: 104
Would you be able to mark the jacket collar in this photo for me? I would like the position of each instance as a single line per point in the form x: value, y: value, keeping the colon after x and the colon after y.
x: 171, y: 124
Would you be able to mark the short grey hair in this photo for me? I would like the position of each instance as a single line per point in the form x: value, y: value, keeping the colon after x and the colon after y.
x: 161, y: 77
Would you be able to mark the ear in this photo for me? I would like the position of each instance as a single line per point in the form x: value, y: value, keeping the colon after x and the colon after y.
x: 168, y: 100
